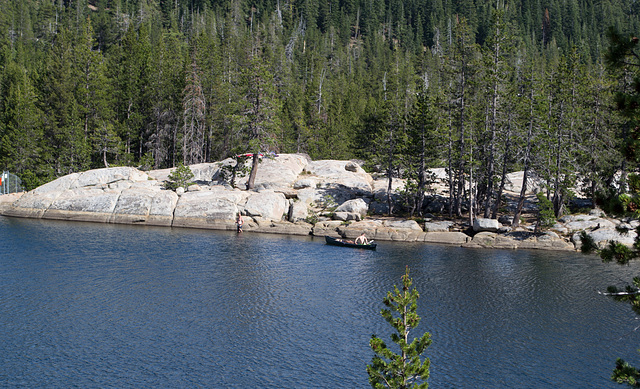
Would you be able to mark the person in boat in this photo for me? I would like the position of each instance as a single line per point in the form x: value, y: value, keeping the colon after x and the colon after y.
x: 239, y: 222
x: 362, y: 239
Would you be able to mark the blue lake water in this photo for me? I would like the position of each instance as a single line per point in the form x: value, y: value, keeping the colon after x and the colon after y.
x: 112, y: 306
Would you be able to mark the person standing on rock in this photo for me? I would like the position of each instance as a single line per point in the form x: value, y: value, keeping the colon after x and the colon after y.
x: 239, y: 222
x: 362, y: 239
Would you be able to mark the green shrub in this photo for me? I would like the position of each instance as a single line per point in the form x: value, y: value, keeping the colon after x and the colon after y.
x: 546, y: 214
x: 181, y: 176
x: 587, y: 244
x: 30, y: 180
x: 312, y: 218
x: 618, y: 252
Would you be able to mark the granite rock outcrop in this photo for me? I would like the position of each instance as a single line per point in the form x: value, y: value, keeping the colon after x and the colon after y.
x: 292, y: 195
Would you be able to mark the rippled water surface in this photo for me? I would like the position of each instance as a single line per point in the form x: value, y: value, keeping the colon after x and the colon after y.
x: 94, y: 305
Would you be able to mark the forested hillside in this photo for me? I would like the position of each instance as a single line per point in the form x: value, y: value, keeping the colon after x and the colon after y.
x: 481, y: 88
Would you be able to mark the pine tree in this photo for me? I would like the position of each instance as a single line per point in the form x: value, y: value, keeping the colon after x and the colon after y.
x: 622, y: 59
x: 208, y: 58
x: 599, y: 155
x: 462, y: 54
x: 565, y: 125
x: 496, y: 85
x: 406, y: 369
x: 529, y: 123
x: 194, y: 126
x: 133, y: 89
x: 67, y: 146
x: 162, y: 135
x: 259, y: 121
x: 20, y: 123
x: 95, y: 98
x: 422, y: 151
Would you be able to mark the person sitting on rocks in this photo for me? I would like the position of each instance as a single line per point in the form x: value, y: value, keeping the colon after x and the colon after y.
x: 362, y: 239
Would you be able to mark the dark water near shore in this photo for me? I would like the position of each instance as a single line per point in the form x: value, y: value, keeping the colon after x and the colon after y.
x: 94, y: 305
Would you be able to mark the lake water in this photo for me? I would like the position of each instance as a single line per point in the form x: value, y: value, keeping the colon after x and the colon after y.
x: 96, y: 305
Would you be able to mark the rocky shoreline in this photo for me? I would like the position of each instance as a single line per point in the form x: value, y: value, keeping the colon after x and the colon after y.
x: 293, y: 196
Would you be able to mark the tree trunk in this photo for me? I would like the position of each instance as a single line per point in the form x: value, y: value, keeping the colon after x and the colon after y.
x: 421, y: 175
x: 450, y: 164
x: 461, y: 161
x: 390, y: 175
x: 254, y: 171
x: 527, y: 156
x: 503, y: 179
x: 471, y: 190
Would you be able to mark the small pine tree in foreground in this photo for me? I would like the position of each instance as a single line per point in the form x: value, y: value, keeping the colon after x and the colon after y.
x: 404, y: 370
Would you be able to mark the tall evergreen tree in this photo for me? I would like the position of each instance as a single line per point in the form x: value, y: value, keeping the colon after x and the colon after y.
x: 194, y: 126
x: 94, y: 96
x: 132, y: 66
x: 21, y: 123
x: 423, y: 151
x: 530, y: 111
x: 259, y: 120
x: 496, y: 83
x: 68, y: 148
x: 462, y: 56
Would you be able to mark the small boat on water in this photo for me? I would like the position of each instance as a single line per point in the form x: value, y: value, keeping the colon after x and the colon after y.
x: 347, y: 243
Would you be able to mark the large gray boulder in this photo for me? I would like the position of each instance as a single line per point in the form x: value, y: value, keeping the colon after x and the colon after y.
x: 346, y: 216
x: 133, y: 206
x: 205, y: 209
x: 334, y: 175
x: 519, y: 240
x: 273, y: 172
x: 204, y: 172
x: 357, y: 206
x: 602, y: 236
x: 484, y: 224
x: 305, y: 182
x: 163, y: 205
x: 280, y: 172
x: 150, y: 206
x: 268, y: 205
x: 329, y: 227
x: 383, y: 230
x: 272, y: 227
x: 585, y: 222
x: 298, y: 211
x: 403, y: 224
x: 32, y: 204
x: 455, y: 238
x: 109, y: 175
x: 440, y: 226
x: 58, y: 185
x: 98, y: 177
x: 83, y: 204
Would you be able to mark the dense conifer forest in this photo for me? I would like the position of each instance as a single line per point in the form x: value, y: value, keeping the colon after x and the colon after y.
x: 480, y: 88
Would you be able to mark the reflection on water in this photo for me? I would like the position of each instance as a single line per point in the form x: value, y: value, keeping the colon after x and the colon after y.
x: 94, y: 305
